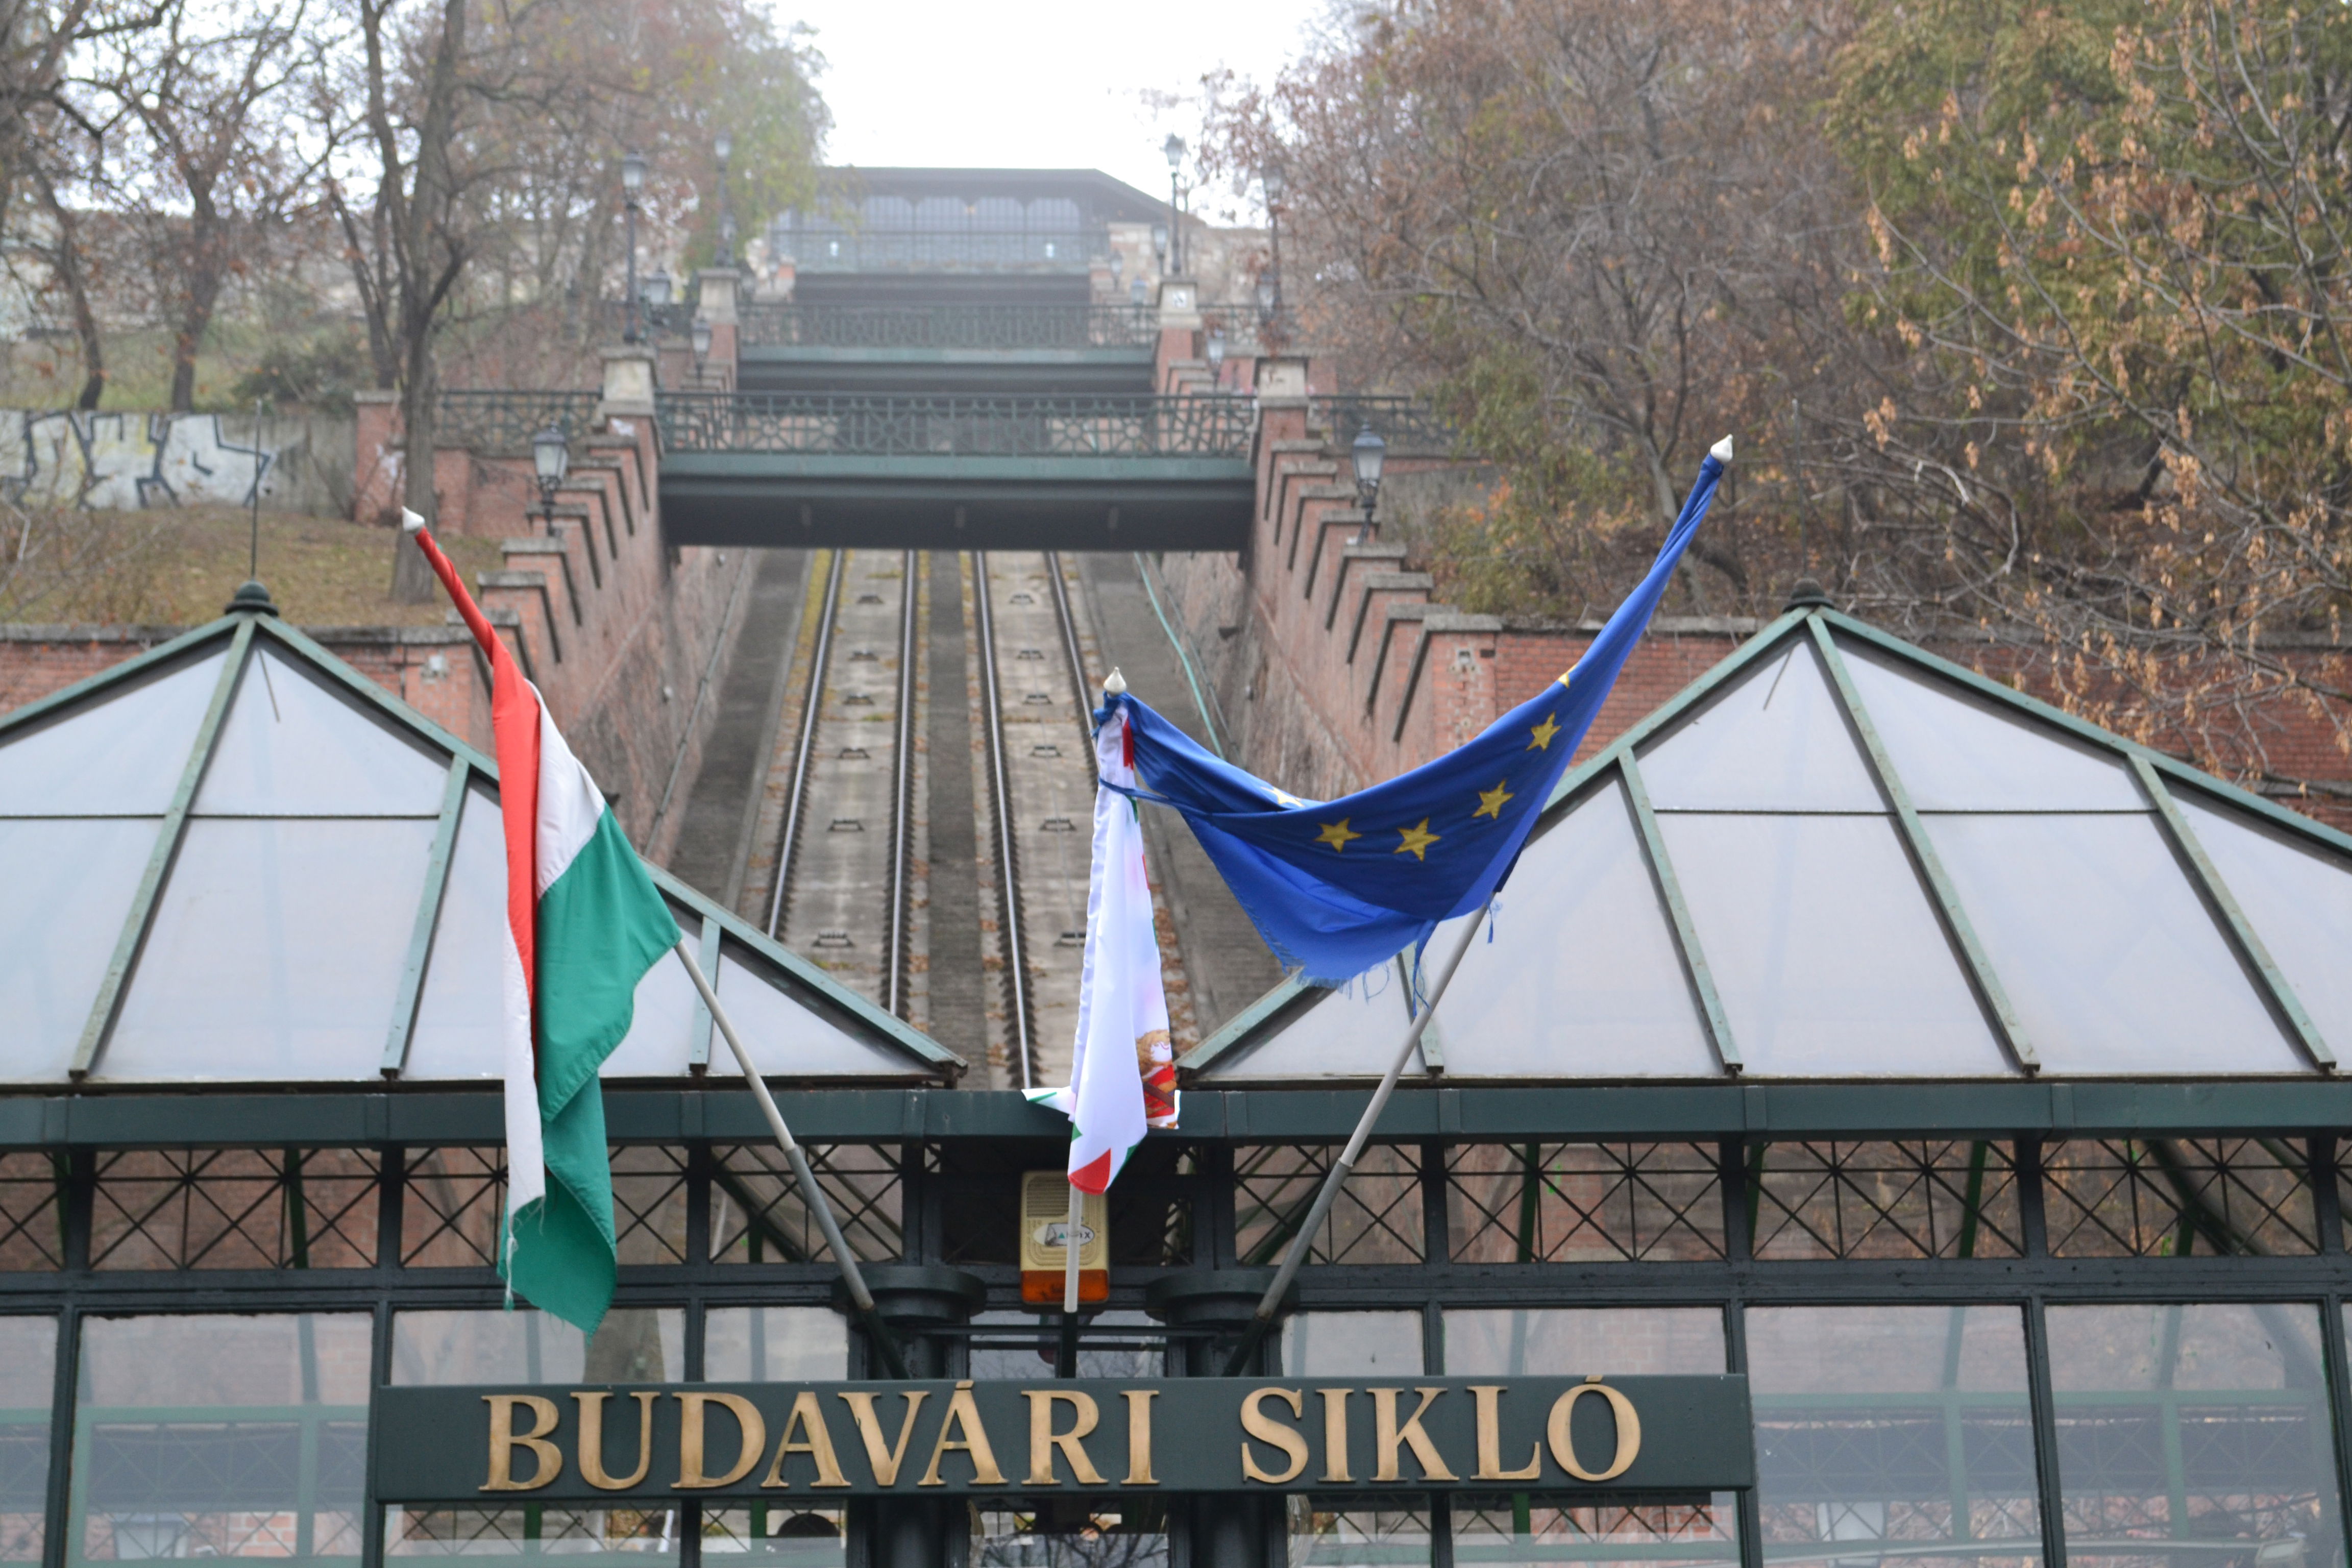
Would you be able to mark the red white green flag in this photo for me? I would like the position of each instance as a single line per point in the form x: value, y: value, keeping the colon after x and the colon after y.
x: 584, y: 924
x: 1122, y: 1069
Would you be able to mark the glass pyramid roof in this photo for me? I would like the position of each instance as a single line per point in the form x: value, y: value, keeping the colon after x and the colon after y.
x: 235, y: 860
x: 1838, y: 856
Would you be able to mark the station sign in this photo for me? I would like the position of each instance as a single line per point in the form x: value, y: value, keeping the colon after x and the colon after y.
x: 1606, y: 1437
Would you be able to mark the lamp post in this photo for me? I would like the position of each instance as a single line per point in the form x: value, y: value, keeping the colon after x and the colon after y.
x: 633, y: 180
x: 701, y: 333
x: 1160, y: 246
x: 1271, y: 177
x: 657, y: 291
x: 550, y: 456
x: 1269, y: 301
x: 1174, y: 150
x: 1216, y: 353
x: 1367, y: 454
x: 723, y: 145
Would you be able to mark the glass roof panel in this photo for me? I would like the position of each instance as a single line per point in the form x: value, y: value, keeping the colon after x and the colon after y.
x: 1577, y: 973
x: 2298, y: 897
x: 1825, y: 948
x: 1349, y: 1031
x: 2105, y: 950
x: 1777, y: 741
x: 291, y: 747
x: 1957, y: 752
x: 120, y: 753
x: 275, y: 954
x: 661, y: 1027
x: 69, y: 886
x: 788, y: 1039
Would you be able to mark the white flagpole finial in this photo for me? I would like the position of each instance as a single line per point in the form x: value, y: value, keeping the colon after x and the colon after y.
x: 410, y: 523
x: 1721, y: 450
x: 1114, y: 683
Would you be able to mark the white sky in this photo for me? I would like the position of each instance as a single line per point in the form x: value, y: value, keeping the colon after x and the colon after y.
x: 1035, y: 83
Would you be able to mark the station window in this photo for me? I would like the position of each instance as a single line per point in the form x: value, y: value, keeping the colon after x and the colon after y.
x: 757, y: 1215
x: 1884, y: 1199
x: 1377, y: 1219
x: 2171, y: 1197
x: 450, y: 1206
x: 2194, y: 1432
x: 1584, y: 1203
x: 32, y: 1210
x: 221, y: 1436
x: 1894, y: 1434
x: 235, y: 1208
x: 29, y: 1358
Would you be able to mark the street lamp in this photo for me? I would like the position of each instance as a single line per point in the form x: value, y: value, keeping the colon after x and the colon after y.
x: 657, y: 301
x: 723, y: 145
x: 633, y: 180
x: 1271, y: 177
x: 701, y: 333
x: 1174, y: 149
x: 1160, y: 245
x: 1368, y: 454
x: 550, y: 455
x: 1216, y: 352
x: 1269, y: 296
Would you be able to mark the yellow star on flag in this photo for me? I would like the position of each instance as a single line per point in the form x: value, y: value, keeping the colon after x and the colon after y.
x: 1543, y: 733
x: 1336, y: 835
x: 1490, y: 802
x: 1417, y: 840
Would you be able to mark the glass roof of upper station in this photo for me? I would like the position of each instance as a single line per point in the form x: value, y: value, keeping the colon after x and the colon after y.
x: 1838, y: 856
x: 235, y: 860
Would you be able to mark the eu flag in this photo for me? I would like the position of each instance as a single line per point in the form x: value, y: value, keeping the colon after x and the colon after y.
x: 1337, y: 886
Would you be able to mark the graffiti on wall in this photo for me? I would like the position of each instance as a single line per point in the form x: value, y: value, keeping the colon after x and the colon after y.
x: 126, y: 461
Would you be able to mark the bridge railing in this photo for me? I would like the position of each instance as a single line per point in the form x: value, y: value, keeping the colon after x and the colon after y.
x: 824, y: 247
x: 504, y: 421
x: 958, y: 426
x: 778, y: 324
x: 1409, y: 426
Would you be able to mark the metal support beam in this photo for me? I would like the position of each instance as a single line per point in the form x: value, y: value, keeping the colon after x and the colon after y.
x: 428, y: 916
x: 1716, y: 1021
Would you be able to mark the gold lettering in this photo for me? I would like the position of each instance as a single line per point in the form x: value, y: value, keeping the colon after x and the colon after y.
x: 1138, y: 1436
x: 1335, y: 1434
x: 963, y: 1416
x: 807, y: 1417
x: 505, y: 1440
x: 1268, y: 1430
x: 1563, y: 1444
x: 592, y: 1440
x: 1490, y: 1438
x: 692, y: 1410
x: 886, y: 1461
x: 1044, y: 1439
x: 1388, y: 1437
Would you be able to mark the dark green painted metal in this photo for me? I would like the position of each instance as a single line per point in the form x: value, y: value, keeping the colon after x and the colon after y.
x: 2008, y: 1027
x: 428, y: 915
x: 699, y: 1032
x: 702, y: 467
x: 505, y: 421
x: 1712, y: 1016
x: 142, y: 914
x: 2243, y: 938
x: 1244, y: 1027
x: 967, y: 325
x: 1102, y: 427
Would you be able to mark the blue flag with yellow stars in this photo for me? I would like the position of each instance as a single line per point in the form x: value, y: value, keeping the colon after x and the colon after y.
x: 1337, y: 887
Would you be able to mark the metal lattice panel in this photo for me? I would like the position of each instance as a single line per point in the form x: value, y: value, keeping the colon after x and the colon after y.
x: 1884, y: 1199
x: 850, y: 426
x: 2170, y: 1196
x: 778, y: 324
x: 506, y: 421
x: 1561, y: 1203
x: 235, y: 1208
x: 757, y: 1215
x: 32, y: 1210
x: 649, y: 1203
x: 1539, y: 1528
x: 1377, y: 1219
x: 449, y: 1216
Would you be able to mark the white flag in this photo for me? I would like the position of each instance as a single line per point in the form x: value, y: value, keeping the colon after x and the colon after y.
x: 1123, y: 1069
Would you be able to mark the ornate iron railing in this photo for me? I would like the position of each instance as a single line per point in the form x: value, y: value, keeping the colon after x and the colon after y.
x: 958, y: 426
x: 775, y: 324
x: 1406, y: 424
x: 506, y: 421
x: 828, y: 248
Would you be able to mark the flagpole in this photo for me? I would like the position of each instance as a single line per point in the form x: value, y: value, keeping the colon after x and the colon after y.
x: 1065, y: 1357
x: 1302, y: 1240
x: 811, y: 1193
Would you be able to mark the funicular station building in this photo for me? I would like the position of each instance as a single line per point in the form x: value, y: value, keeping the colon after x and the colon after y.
x: 1960, y: 1078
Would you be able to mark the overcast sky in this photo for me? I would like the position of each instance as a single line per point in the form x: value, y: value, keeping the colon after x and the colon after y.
x: 1032, y: 83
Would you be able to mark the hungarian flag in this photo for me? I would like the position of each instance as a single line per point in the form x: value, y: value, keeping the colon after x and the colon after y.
x: 1123, y: 1069
x: 584, y: 924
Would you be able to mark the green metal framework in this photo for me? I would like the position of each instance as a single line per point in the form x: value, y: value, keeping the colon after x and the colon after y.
x: 506, y: 421
x: 1410, y: 426
x: 754, y: 422
x: 782, y: 325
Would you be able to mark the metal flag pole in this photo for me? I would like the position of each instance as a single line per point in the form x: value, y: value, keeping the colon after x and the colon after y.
x: 1302, y: 1239
x: 811, y: 1193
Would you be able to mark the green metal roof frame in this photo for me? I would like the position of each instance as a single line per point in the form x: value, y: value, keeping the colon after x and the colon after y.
x: 2156, y: 772
x: 242, y: 630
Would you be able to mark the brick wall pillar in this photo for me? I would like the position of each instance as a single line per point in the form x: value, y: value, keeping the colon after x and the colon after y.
x: 375, y: 456
x: 1179, y: 334
x: 720, y: 286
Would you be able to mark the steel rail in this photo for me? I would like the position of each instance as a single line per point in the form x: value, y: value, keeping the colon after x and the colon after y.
x: 1008, y: 924
x: 897, y: 955
x: 1080, y: 692
x: 806, y: 746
